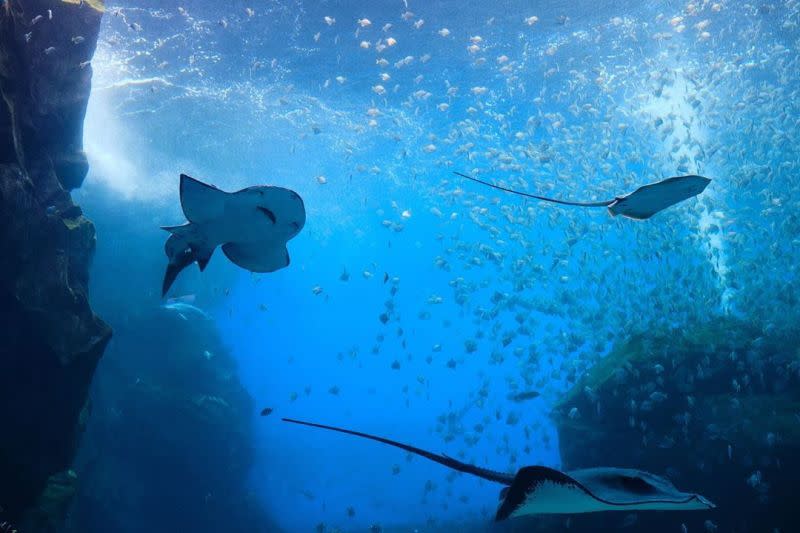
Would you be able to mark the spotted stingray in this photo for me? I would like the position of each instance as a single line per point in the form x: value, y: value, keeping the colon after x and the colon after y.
x: 641, y: 204
x: 537, y: 490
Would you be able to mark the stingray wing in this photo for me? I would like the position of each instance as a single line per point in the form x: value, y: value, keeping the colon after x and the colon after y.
x: 201, y: 203
x: 542, y: 490
x: 648, y: 200
x: 264, y: 256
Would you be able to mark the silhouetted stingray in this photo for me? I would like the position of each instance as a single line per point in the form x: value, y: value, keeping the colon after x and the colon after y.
x: 252, y: 225
x: 542, y: 490
x: 641, y: 204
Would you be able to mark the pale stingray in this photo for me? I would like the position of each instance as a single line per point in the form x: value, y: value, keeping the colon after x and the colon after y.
x: 641, y: 204
x: 537, y: 490
x: 252, y: 226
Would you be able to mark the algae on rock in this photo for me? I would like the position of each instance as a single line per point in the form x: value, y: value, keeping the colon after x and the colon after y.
x: 709, y: 407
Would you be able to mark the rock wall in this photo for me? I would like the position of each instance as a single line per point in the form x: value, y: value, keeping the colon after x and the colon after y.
x: 50, y: 340
x: 169, y: 446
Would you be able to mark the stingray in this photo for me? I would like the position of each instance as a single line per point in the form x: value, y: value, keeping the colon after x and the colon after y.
x: 641, y: 204
x: 252, y: 225
x: 537, y: 490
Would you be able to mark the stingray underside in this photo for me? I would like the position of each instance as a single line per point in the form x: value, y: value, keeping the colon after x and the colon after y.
x: 648, y: 200
x: 282, y: 207
x: 269, y: 217
x: 543, y: 490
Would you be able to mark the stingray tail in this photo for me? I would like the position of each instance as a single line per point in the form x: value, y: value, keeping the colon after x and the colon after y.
x: 174, y: 267
x: 490, y: 475
x: 543, y: 198
x: 184, y: 247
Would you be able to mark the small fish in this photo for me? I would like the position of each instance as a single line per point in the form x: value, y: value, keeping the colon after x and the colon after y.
x: 522, y: 396
x: 658, y: 396
x: 266, y: 411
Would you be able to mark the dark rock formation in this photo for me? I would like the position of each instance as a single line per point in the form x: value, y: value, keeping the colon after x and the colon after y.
x: 169, y: 445
x: 716, y: 409
x: 50, y: 340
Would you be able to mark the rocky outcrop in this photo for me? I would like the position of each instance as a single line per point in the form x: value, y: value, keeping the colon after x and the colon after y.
x: 50, y: 340
x: 715, y: 408
x: 169, y: 446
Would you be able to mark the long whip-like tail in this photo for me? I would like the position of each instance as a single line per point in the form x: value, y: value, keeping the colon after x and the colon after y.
x: 491, y: 475
x: 528, y: 195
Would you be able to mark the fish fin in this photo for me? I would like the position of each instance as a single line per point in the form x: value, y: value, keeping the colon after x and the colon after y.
x: 174, y: 267
x: 202, y: 257
x: 181, y: 230
x: 526, y: 482
x: 257, y: 257
x: 201, y: 202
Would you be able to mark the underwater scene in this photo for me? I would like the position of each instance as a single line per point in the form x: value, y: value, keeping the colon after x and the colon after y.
x: 399, y: 266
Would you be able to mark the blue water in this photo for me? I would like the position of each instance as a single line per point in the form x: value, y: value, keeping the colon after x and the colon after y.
x: 255, y: 100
